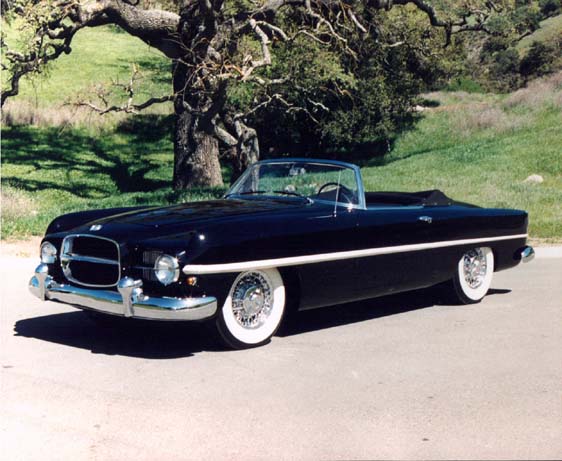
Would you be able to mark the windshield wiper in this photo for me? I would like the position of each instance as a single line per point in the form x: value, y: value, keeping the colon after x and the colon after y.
x: 283, y: 192
x: 247, y: 192
x: 295, y: 194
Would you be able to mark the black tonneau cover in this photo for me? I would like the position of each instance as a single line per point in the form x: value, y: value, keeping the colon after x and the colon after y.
x: 424, y: 198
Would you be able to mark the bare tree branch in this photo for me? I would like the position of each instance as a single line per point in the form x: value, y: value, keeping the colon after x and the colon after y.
x: 129, y: 107
x: 355, y: 21
x: 54, y: 33
x: 266, y: 55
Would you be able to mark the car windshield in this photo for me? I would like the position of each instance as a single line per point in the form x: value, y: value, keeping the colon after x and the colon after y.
x: 306, y: 180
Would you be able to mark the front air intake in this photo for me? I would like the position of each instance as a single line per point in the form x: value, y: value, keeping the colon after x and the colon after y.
x: 90, y: 260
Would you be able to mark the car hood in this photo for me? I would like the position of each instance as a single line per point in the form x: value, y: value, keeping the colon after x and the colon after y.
x: 196, y: 212
x: 175, y: 222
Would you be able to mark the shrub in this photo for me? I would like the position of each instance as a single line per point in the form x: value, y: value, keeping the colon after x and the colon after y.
x: 549, y: 7
x: 505, y: 69
x: 465, y: 84
x: 538, y: 61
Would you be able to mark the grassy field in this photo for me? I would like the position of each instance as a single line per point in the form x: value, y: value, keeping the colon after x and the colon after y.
x: 100, y: 58
x: 478, y: 148
x: 49, y: 171
x: 481, y: 148
x: 99, y: 55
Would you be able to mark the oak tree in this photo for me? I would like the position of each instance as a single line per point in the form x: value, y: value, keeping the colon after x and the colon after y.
x: 214, y: 45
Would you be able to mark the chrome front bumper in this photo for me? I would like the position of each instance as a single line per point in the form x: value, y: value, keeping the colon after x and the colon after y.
x: 129, y: 301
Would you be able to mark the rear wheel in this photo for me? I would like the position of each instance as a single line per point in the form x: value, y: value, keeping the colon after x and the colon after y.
x: 253, y: 309
x: 474, y: 275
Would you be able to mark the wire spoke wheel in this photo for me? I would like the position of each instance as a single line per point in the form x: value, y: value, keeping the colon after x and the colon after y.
x: 252, y: 300
x: 474, y: 275
x: 253, y: 309
x: 474, y: 268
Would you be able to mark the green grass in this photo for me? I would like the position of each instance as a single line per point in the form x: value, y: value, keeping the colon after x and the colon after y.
x: 478, y: 151
x: 475, y: 147
x: 48, y: 171
x: 99, y: 55
x: 549, y: 29
x: 486, y: 164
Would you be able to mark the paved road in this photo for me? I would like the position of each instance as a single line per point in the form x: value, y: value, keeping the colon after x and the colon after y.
x: 399, y: 377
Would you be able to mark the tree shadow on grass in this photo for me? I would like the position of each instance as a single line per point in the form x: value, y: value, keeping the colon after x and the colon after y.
x: 121, y: 160
x: 160, y: 71
x: 148, y: 127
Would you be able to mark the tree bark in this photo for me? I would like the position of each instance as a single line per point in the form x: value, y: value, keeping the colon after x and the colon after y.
x: 196, y: 155
x: 247, y: 150
x: 196, y: 149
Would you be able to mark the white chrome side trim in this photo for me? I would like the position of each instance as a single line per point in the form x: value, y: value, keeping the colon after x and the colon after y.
x: 324, y: 257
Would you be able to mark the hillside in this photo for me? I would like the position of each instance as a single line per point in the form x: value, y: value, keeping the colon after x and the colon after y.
x: 549, y: 30
x: 481, y: 148
x: 477, y: 148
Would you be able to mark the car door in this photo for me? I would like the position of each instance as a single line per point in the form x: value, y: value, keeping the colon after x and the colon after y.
x: 394, y: 262
x: 330, y: 235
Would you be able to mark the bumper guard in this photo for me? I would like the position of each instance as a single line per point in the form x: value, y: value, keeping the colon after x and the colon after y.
x: 128, y: 301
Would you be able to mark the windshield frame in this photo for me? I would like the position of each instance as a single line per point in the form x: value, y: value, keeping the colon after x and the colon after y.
x: 311, y: 161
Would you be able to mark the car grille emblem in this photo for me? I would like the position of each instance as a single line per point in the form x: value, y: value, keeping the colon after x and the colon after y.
x: 95, y: 227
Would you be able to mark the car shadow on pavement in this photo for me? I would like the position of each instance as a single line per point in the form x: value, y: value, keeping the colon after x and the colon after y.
x: 168, y: 340
x: 344, y: 314
x: 127, y: 337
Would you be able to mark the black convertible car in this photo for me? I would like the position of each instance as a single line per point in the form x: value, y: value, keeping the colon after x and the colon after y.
x: 289, y: 232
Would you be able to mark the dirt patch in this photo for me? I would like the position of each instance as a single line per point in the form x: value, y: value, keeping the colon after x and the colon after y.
x: 28, y: 248
x: 545, y: 242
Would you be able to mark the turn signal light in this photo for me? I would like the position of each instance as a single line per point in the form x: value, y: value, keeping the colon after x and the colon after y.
x: 191, y: 281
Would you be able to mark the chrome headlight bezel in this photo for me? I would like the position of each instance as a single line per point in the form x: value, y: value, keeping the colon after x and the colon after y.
x: 48, y: 253
x: 166, y: 269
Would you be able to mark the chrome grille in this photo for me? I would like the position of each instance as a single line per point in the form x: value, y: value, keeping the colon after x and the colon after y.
x: 149, y: 257
x: 90, y: 260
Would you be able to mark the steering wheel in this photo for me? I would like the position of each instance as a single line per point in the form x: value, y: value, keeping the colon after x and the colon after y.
x: 344, y: 191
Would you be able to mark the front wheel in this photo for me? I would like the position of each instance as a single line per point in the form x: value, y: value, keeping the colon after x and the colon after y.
x: 253, y: 309
x: 474, y: 275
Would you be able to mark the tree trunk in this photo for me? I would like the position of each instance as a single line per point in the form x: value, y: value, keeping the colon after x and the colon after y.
x: 196, y: 149
x: 247, y: 151
x: 196, y: 155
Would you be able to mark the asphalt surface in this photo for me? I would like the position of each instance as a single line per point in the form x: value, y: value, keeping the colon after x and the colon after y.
x: 397, y: 378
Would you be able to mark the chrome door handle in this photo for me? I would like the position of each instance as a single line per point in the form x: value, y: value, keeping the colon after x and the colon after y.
x: 427, y: 219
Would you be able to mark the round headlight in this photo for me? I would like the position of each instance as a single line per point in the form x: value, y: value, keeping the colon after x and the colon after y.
x: 167, y: 269
x: 48, y: 253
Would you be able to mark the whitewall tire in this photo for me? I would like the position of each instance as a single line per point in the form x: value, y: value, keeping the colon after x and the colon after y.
x: 253, y: 310
x: 473, y: 277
